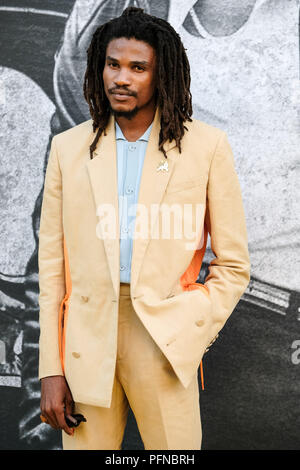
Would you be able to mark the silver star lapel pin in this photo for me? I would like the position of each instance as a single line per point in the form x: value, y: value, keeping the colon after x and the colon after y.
x: 163, y: 165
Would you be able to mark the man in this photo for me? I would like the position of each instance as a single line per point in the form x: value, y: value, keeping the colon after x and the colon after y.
x: 123, y: 320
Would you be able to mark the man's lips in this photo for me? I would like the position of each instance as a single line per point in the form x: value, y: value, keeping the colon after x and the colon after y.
x: 121, y: 96
x: 121, y: 93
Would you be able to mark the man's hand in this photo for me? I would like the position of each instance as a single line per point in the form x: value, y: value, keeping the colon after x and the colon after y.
x: 57, y: 402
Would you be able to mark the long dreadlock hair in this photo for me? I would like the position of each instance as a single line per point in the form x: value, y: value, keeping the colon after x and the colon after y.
x: 173, y: 73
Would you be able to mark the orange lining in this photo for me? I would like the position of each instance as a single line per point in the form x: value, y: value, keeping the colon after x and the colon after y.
x: 201, y: 373
x: 64, y: 309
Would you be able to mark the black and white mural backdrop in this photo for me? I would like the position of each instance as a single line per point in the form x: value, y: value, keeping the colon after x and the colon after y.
x: 244, y: 57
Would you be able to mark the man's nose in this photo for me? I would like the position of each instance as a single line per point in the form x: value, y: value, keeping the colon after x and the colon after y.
x: 122, y: 78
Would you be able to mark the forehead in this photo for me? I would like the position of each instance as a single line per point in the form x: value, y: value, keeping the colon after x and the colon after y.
x: 130, y: 49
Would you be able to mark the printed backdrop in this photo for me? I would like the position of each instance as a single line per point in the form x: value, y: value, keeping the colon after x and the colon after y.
x: 244, y: 57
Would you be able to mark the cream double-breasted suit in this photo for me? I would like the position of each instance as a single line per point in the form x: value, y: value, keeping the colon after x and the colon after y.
x: 79, y: 272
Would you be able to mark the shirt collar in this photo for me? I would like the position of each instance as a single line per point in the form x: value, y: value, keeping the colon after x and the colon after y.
x: 120, y: 135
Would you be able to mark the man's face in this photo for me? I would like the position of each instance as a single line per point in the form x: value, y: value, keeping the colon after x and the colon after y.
x: 130, y: 67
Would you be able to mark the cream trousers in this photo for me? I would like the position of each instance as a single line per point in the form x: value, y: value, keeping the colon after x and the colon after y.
x: 167, y: 414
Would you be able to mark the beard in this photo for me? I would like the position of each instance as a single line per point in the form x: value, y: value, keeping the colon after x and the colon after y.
x: 133, y: 112
x: 126, y: 114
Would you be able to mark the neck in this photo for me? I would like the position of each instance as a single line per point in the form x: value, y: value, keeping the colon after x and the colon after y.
x: 136, y: 127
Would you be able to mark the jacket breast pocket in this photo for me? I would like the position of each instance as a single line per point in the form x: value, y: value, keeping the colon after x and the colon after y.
x: 185, y: 185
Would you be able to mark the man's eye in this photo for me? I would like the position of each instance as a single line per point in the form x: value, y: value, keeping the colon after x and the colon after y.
x: 113, y: 64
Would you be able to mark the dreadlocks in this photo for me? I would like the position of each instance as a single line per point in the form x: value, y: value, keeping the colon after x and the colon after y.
x: 173, y: 73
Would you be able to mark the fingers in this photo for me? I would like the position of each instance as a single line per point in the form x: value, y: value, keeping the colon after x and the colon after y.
x: 56, y: 419
x: 62, y: 423
x: 69, y: 407
x: 50, y: 416
x: 56, y: 401
x: 69, y: 404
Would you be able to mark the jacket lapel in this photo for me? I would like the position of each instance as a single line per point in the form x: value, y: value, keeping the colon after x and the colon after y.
x: 102, y: 171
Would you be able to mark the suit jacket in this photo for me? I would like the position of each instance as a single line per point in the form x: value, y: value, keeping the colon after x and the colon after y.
x: 79, y: 275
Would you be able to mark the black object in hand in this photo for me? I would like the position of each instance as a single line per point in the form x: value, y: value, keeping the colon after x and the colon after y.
x: 79, y: 419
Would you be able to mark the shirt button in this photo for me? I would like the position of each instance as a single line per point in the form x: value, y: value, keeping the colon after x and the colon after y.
x: 132, y: 147
x: 125, y: 229
x: 122, y: 268
x: 129, y: 190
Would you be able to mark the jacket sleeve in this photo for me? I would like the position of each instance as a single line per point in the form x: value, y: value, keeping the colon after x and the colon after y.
x: 229, y: 271
x: 51, y: 267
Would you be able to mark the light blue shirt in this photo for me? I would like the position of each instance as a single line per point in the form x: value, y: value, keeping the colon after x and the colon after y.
x: 130, y: 161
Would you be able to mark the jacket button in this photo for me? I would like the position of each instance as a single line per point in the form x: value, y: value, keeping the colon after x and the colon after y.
x: 84, y: 298
x: 199, y: 322
x: 76, y: 355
